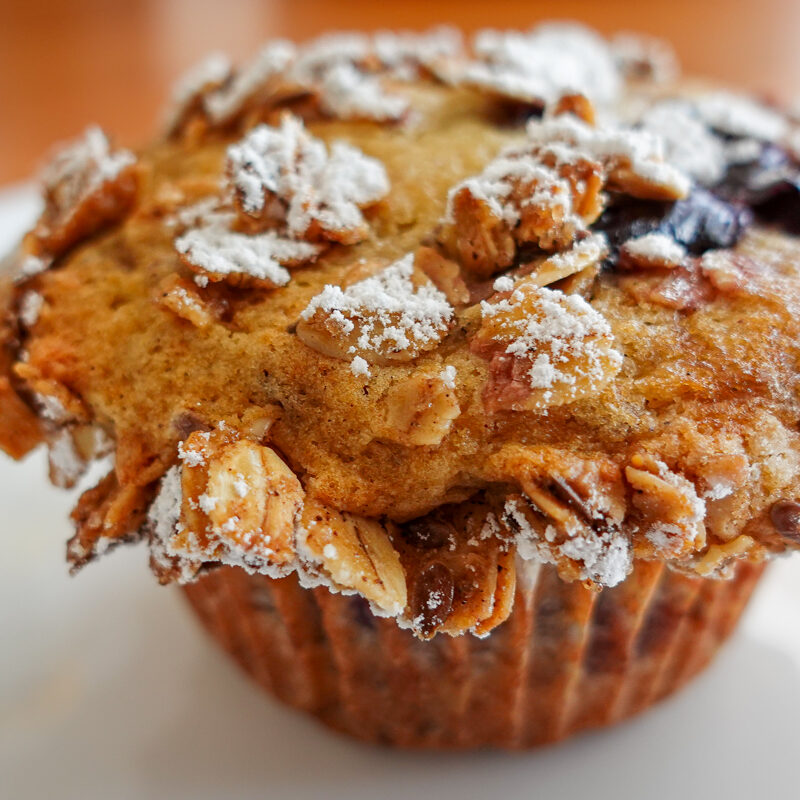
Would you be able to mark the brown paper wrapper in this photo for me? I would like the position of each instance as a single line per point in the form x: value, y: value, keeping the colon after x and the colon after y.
x: 567, y: 659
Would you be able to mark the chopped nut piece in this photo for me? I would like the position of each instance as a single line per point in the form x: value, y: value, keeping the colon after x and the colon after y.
x: 219, y: 254
x: 545, y: 349
x: 681, y: 288
x: 262, y: 80
x: 586, y: 254
x: 356, y: 553
x: 520, y: 199
x: 392, y: 316
x: 107, y: 515
x: 86, y: 187
x: 286, y: 176
x: 542, y: 64
x: 421, y: 409
x: 718, y: 560
x: 581, y: 283
x: 187, y: 94
x: 672, y: 513
x: 240, y: 503
x: 182, y: 298
x: 445, y: 274
x: 577, y: 104
x: 633, y: 159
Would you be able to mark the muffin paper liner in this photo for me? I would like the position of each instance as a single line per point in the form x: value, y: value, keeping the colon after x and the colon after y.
x: 567, y: 659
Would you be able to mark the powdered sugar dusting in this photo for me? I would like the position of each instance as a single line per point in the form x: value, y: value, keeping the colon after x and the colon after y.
x: 562, y: 335
x: 496, y: 185
x: 84, y: 166
x: 359, y: 367
x: 33, y: 265
x: 604, y: 555
x: 640, y: 56
x: 503, y: 284
x: 390, y: 310
x: 738, y: 115
x: 314, y: 186
x: 641, y: 150
x: 348, y: 93
x: 222, y: 252
x: 66, y: 463
x: 542, y: 65
x: 448, y: 377
x: 657, y: 247
x: 30, y: 307
x: 208, y: 74
x: 688, y: 142
x: 271, y: 62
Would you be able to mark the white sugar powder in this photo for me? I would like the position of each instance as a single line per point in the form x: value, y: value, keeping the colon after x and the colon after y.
x: 315, y: 185
x: 224, y: 252
x: 657, y: 247
x: 389, y: 308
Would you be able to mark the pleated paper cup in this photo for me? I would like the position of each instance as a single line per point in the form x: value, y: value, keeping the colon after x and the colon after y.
x: 566, y: 660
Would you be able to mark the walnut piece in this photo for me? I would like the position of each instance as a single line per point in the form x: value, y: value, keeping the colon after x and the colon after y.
x: 391, y: 316
x: 544, y: 349
x: 520, y: 199
x: 183, y: 299
x: 86, y: 186
x: 284, y: 177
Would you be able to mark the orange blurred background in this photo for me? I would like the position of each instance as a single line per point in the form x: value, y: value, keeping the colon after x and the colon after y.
x: 65, y: 63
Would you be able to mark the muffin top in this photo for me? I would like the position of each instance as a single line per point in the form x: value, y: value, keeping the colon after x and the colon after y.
x: 409, y: 317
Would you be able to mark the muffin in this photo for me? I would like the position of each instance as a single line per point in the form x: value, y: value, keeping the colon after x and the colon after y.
x: 455, y: 383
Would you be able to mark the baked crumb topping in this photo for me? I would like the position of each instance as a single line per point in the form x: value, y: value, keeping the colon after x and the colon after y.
x: 261, y: 76
x: 541, y: 65
x: 393, y: 315
x: 348, y: 93
x: 86, y: 186
x: 550, y: 210
x: 546, y: 348
x: 203, y: 78
x: 284, y: 176
x: 218, y: 253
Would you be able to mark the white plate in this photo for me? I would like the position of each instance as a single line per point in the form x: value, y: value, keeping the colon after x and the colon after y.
x: 108, y: 689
